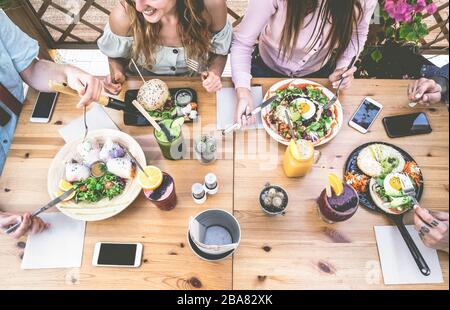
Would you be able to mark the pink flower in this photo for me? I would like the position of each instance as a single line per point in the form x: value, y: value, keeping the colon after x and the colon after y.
x: 431, y: 8
x: 399, y: 10
x: 420, y: 6
x: 404, y: 10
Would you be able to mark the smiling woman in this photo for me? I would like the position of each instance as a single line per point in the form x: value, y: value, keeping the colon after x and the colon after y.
x: 162, y: 34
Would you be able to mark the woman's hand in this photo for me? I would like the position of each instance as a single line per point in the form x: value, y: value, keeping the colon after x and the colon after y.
x: 29, y: 224
x: 114, y: 86
x: 425, y: 91
x: 343, y: 73
x: 211, y: 81
x: 88, y: 87
x: 432, y: 228
x: 244, y: 108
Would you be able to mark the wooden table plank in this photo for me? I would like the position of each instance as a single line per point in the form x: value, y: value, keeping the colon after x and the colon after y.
x: 299, y: 250
x: 168, y: 262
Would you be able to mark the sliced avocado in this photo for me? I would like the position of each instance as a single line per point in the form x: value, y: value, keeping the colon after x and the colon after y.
x: 295, y: 116
x: 178, y: 122
x: 401, y: 202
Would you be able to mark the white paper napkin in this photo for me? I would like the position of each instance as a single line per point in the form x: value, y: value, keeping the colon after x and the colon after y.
x: 397, y: 263
x: 96, y: 118
x: 226, y: 103
x: 60, y: 246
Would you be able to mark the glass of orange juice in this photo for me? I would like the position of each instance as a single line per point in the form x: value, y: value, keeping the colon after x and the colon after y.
x: 299, y: 158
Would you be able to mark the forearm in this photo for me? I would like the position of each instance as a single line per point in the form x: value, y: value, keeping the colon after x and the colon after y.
x: 39, y: 73
x: 117, y: 65
x: 218, y: 64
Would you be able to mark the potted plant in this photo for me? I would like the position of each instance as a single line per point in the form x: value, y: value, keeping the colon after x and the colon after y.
x: 393, y: 44
x: 206, y: 149
x: 273, y: 200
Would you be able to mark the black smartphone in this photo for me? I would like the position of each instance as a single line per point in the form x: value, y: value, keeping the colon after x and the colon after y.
x: 407, y: 125
x: 43, y: 108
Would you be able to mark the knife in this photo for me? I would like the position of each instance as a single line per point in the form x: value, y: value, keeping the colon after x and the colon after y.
x: 254, y: 112
x: 136, y: 162
x: 108, y: 102
x: 51, y: 204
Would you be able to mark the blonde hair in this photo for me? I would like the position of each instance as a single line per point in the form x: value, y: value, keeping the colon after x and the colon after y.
x: 193, y: 28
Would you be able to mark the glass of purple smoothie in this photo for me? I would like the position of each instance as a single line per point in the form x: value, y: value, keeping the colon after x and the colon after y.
x: 164, y: 197
x: 338, y: 208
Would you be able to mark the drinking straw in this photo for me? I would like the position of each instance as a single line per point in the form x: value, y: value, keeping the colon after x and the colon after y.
x: 138, y: 71
x: 327, y: 181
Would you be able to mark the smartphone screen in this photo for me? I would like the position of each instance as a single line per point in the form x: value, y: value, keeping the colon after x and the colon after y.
x: 366, y: 114
x: 117, y: 254
x: 44, y: 106
x: 407, y: 125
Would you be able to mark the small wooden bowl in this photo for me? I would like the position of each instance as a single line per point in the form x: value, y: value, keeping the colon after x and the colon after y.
x: 105, y: 208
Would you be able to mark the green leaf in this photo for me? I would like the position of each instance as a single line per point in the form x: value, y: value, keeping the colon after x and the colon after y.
x: 376, y: 55
x: 384, y: 15
x: 412, y: 36
x: 405, y: 30
x: 390, y: 32
x: 422, y: 30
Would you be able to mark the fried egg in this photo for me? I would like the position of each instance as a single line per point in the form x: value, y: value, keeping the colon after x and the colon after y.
x: 393, y: 184
x: 306, y: 108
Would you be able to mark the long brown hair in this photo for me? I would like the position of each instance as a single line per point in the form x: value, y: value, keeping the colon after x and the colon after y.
x: 193, y: 28
x: 344, y: 15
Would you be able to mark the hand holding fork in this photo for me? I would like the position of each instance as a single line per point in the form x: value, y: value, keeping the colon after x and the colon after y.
x: 211, y: 81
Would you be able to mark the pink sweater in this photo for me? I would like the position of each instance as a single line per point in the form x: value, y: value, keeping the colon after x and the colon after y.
x: 265, y: 20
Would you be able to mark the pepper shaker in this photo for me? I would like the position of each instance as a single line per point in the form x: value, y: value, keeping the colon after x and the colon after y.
x: 198, y: 193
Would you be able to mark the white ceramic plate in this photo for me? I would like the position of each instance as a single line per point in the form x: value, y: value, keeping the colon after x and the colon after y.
x: 105, y: 208
x: 336, y: 109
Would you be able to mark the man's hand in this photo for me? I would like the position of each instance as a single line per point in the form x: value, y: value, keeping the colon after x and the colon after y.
x: 88, y: 87
x: 29, y: 224
x: 425, y: 91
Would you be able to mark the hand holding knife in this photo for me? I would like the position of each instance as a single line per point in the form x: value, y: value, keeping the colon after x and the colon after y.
x: 253, y: 113
x: 51, y: 204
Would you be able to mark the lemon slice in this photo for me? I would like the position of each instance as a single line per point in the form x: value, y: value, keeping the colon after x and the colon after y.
x: 294, y: 150
x: 336, y: 184
x: 64, y: 185
x: 59, y: 193
x: 153, y: 181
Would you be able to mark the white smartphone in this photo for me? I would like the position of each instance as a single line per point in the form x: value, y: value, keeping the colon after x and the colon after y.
x: 43, y: 108
x: 366, y: 115
x: 122, y: 255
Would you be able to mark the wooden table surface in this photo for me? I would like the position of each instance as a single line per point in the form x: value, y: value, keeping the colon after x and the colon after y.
x: 294, y: 251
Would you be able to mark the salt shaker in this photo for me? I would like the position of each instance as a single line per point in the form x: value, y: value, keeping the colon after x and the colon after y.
x: 211, y: 184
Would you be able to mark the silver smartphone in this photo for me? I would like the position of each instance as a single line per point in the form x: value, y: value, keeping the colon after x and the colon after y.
x: 122, y: 255
x: 43, y: 108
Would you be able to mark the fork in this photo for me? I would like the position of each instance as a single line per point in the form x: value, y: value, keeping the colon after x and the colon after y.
x: 196, y: 67
x: 409, y: 190
x: 336, y: 94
